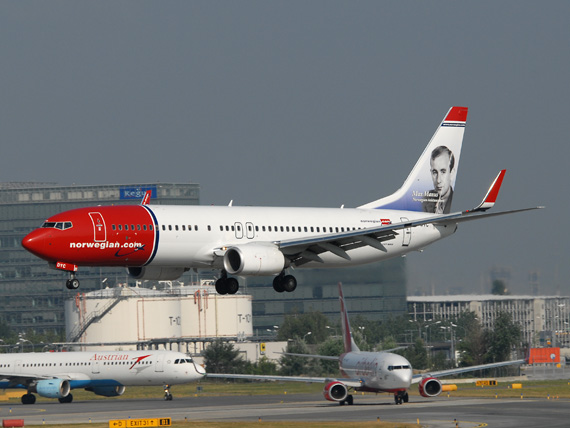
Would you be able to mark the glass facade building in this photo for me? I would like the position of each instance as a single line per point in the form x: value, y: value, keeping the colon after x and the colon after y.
x: 31, y: 294
x: 375, y: 291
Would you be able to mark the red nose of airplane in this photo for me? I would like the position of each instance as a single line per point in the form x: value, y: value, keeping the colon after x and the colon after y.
x: 36, y: 243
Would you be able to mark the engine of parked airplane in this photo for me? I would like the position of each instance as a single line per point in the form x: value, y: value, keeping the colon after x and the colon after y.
x: 156, y: 273
x: 107, y: 391
x: 429, y: 387
x: 53, y: 388
x: 335, y: 391
x: 254, y: 259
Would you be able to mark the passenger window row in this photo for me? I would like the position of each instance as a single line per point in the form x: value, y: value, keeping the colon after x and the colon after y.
x: 238, y: 227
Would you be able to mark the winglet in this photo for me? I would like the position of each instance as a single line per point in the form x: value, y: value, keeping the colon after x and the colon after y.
x: 146, y: 197
x: 491, y: 196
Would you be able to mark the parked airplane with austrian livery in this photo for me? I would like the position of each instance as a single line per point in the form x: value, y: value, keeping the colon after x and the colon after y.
x: 107, y: 373
x: 365, y: 371
x: 162, y: 242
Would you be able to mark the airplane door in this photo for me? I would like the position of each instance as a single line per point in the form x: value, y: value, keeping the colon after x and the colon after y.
x: 95, y: 367
x: 407, y: 232
x: 239, y: 230
x: 99, y: 229
x: 249, y: 230
x: 159, y: 366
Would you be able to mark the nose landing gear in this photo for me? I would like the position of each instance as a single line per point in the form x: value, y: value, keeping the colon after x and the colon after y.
x: 72, y: 283
x: 167, y: 394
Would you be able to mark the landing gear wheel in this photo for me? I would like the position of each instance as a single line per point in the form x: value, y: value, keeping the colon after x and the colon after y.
x: 72, y: 284
x: 232, y: 285
x: 289, y: 283
x: 278, y: 284
x: 67, y: 399
x: 222, y: 286
x: 406, y: 397
x: 28, y: 399
x: 350, y: 400
x: 167, y: 394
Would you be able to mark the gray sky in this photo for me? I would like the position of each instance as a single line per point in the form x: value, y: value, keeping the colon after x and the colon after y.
x: 291, y: 103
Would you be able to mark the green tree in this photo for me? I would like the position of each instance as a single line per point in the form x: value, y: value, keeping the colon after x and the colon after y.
x: 263, y: 367
x: 222, y: 357
x: 499, y: 288
x: 292, y: 365
x: 504, y: 338
x: 417, y: 355
x: 311, y: 327
x: 334, y: 348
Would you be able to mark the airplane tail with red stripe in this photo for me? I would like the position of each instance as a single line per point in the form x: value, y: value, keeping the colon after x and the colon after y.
x: 349, y: 344
x: 430, y: 185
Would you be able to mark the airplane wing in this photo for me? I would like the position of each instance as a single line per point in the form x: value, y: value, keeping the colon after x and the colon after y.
x: 417, y: 378
x: 353, y: 383
x: 304, y: 250
x: 27, y: 378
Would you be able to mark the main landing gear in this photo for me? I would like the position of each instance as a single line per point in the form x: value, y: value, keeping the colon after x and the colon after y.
x: 284, y: 282
x: 28, y: 398
x: 281, y: 283
x: 72, y: 283
x: 348, y: 400
x: 167, y: 394
x: 401, y: 397
x: 226, y: 285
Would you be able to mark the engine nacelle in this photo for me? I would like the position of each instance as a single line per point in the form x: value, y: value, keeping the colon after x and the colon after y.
x: 53, y: 388
x: 335, y: 391
x: 107, y: 391
x: 254, y: 259
x: 429, y: 387
x: 156, y: 273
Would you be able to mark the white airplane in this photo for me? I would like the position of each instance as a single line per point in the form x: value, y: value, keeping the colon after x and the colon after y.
x: 370, y: 371
x: 55, y: 374
x: 162, y: 242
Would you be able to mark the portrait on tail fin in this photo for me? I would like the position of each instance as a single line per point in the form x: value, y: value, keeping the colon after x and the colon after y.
x: 438, y: 200
x: 430, y: 185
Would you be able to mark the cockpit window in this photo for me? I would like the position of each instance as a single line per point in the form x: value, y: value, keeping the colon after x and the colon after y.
x: 390, y: 368
x: 62, y: 225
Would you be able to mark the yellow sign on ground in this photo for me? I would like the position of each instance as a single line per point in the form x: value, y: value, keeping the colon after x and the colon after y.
x: 153, y: 422
x: 490, y: 382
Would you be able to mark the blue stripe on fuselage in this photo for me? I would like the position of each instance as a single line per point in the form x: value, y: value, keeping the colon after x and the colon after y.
x: 156, y: 234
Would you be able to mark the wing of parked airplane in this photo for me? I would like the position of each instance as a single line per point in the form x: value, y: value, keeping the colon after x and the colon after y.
x: 450, y: 372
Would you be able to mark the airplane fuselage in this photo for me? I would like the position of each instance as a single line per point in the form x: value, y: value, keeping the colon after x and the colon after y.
x: 99, y: 369
x: 379, y: 371
x: 188, y: 237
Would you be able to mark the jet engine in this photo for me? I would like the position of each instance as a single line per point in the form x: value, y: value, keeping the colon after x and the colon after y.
x: 156, y: 273
x: 254, y: 259
x: 429, y: 387
x: 107, y: 391
x: 335, y: 391
x: 53, y: 388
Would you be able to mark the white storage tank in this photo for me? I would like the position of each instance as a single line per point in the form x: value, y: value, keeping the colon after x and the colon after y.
x: 124, y: 317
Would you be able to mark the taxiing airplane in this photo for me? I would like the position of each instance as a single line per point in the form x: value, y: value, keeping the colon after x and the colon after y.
x: 162, y: 242
x: 370, y: 371
x: 55, y: 374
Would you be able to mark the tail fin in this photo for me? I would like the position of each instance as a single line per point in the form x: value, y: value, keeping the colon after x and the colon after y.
x: 349, y: 345
x: 429, y: 187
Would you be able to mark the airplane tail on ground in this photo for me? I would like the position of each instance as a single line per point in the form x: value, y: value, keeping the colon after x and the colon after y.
x: 349, y: 345
x: 430, y: 185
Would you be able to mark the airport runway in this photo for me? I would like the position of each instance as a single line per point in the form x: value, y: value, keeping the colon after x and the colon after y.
x: 436, y: 412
